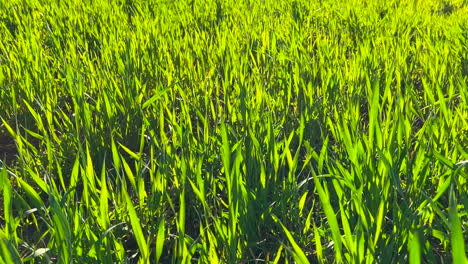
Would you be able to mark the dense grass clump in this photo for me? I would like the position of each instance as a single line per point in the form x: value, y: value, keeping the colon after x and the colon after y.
x: 233, y: 131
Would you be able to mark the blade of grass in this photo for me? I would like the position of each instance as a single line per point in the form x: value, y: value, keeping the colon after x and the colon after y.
x: 414, y: 249
x: 298, y: 253
x: 457, y: 240
x: 330, y: 214
x: 136, y: 227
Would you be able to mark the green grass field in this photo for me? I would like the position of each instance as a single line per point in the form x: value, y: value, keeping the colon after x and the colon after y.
x: 225, y: 131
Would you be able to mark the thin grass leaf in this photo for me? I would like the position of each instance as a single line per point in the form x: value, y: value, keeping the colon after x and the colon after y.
x: 136, y: 227
x: 134, y: 155
x: 62, y: 230
x: 160, y: 238
x: 457, y: 240
x: 298, y: 253
x: 333, y: 222
x: 414, y: 249
x: 8, y: 251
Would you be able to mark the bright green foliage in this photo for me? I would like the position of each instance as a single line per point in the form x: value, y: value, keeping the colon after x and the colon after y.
x: 230, y: 131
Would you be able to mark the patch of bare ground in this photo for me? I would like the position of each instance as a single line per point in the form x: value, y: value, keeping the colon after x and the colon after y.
x: 8, y: 149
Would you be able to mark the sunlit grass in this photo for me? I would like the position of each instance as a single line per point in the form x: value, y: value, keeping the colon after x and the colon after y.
x: 233, y: 131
